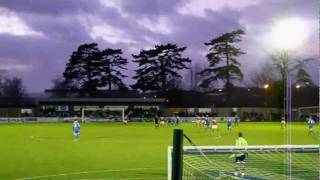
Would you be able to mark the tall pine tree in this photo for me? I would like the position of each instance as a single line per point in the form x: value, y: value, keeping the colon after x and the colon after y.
x: 303, y: 78
x: 83, y: 67
x: 112, y: 64
x: 223, y: 65
x: 89, y: 68
x: 156, y: 65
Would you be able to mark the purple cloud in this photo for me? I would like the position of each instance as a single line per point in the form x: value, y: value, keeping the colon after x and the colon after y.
x: 40, y: 35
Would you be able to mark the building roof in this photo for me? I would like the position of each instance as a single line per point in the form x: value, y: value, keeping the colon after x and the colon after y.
x: 100, y: 100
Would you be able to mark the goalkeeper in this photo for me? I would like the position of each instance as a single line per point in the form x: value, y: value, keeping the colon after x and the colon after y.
x: 240, y: 158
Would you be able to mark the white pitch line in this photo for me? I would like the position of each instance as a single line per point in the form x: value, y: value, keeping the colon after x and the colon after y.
x: 217, y: 137
x: 86, y: 172
x: 68, y: 140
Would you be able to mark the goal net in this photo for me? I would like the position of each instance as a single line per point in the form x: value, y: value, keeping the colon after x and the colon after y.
x: 304, y: 112
x: 109, y: 114
x: 262, y: 162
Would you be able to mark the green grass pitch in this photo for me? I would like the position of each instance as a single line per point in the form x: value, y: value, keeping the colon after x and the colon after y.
x: 114, y: 150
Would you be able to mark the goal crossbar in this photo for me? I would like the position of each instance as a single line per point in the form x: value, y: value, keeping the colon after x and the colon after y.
x: 256, y: 149
x: 106, y: 109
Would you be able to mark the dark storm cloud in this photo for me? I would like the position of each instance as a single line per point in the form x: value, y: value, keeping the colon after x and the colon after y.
x: 195, y: 31
x: 59, y: 18
x: 53, y: 7
x: 135, y: 24
x: 147, y: 7
x: 43, y: 58
x: 61, y: 28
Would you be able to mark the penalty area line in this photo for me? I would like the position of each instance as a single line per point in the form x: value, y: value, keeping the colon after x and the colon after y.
x: 86, y: 172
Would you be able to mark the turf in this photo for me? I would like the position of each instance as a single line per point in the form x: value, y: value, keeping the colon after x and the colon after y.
x: 115, y: 151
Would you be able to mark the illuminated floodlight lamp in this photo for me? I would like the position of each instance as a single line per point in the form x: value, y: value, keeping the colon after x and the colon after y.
x: 289, y: 33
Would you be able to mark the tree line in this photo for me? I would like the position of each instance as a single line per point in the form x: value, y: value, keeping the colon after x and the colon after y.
x: 90, y: 69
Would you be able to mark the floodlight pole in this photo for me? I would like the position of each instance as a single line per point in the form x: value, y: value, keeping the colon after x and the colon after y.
x: 287, y: 94
x: 285, y: 58
x: 289, y: 126
x: 287, y: 109
x: 177, y: 165
x: 319, y: 115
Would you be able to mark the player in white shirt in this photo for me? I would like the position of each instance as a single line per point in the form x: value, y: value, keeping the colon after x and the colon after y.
x: 214, y: 125
x: 198, y: 120
x: 162, y: 121
x: 283, y: 122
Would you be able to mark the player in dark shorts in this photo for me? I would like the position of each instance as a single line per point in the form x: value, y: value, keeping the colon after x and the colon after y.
x: 206, y: 122
x: 156, y: 120
x: 240, y: 158
x: 236, y: 120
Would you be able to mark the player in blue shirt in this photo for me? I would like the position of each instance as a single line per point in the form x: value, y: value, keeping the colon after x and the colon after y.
x: 206, y: 122
x: 76, y: 129
x: 311, y: 125
x: 171, y: 121
x: 177, y: 119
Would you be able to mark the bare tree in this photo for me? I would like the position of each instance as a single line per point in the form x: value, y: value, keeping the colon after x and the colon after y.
x: 13, y: 88
x: 267, y: 73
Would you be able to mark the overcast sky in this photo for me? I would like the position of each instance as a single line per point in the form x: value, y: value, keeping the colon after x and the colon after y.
x: 38, y: 36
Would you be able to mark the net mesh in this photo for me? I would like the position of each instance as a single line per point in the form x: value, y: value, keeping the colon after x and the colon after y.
x: 103, y: 115
x: 304, y: 112
x: 262, y: 162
